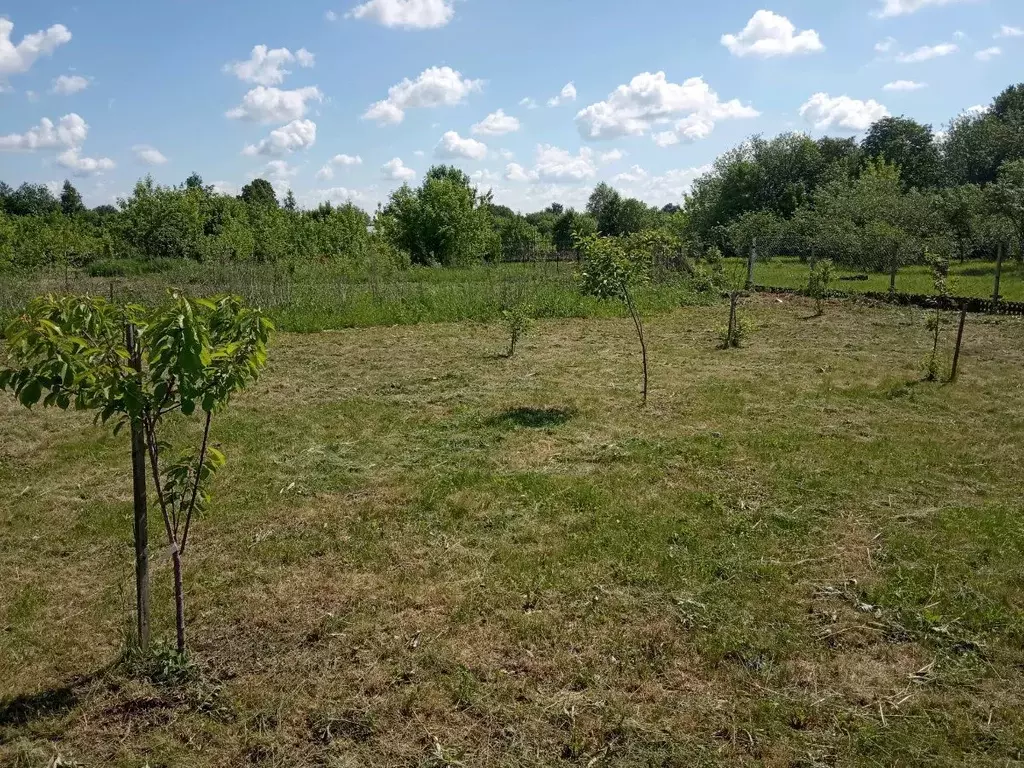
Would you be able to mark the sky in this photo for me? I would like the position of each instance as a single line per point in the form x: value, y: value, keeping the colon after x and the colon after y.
x: 538, y: 100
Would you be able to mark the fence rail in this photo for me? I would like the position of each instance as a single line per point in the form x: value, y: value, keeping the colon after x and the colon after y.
x: 972, y: 304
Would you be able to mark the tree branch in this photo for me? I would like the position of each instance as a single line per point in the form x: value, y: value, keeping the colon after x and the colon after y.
x: 195, y: 487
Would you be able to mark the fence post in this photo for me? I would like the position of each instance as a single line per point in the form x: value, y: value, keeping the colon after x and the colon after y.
x: 959, y: 340
x: 751, y: 259
x: 892, y: 276
x: 999, y: 271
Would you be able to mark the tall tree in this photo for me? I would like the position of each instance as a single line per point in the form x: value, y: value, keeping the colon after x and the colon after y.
x: 910, y: 146
x: 260, y: 193
x: 70, y: 200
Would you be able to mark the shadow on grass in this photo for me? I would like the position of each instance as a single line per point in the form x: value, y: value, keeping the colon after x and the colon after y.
x: 24, y: 708
x: 531, y: 418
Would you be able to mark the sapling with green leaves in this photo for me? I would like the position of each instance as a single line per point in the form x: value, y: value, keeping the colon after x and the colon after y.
x: 819, y: 283
x: 140, y: 367
x: 940, y: 280
x: 517, y: 319
x: 613, y: 268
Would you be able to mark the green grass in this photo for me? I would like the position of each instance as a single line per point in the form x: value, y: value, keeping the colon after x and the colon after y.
x: 319, y: 297
x: 973, y: 278
x: 422, y: 553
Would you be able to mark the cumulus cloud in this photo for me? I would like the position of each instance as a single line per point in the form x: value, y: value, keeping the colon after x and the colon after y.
x: 769, y: 34
x: 148, y: 155
x: 989, y: 53
x: 904, y: 85
x: 633, y: 175
x: 661, y: 189
x: 1007, y: 31
x: 485, y: 176
x: 336, y: 195
x: 611, y: 156
x: 565, y: 96
x: 267, y: 67
x: 16, y: 59
x: 395, y: 170
x: 649, y: 100
x: 279, y: 171
x: 273, y: 105
x: 516, y: 172
x: 497, y: 124
x: 665, y: 138
x: 892, y: 8
x: 331, y: 16
x: 927, y: 52
x: 528, y: 103
x: 327, y: 172
x: 296, y: 135
x: 559, y: 166
x: 83, y: 166
x: 408, y: 14
x: 65, y: 85
x: 435, y: 87
x: 825, y: 112
x: 452, y: 145
x: 70, y: 131
x: 884, y: 46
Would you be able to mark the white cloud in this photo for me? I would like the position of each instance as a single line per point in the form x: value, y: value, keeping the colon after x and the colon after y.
x: 296, y: 135
x: 516, y: 172
x: 989, y: 53
x: 665, y: 138
x: 225, y: 188
x: 485, y: 176
x: 326, y: 173
x: 16, y: 59
x: 331, y: 16
x: 665, y: 188
x: 344, y: 159
x: 649, y: 100
x: 279, y: 171
x: 83, y: 166
x: 892, y: 8
x: 336, y: 195
x: 497, y: 124
x: 559, y: 166
x: 927, y: 52
x: 825, y: 112
x: 633, y: 175
x: 1008, y: 31
x: 419, y: 153
x: 977, y: 109
x: 769, y: 34
x: 528, y: 103
x: 612, y: 156
x: 452, y: 145
x: 904, y: 85
x: 266, y: 67
x: 396, y: 170
x: 148, y: 155
x: 70, y: 131
x: 435, y: 87
x: 409, y: 14
x: 884, y: 46
x: 507, y: 154
x: 273, y: 105
x: 65, y: 85
x: 566, y: 95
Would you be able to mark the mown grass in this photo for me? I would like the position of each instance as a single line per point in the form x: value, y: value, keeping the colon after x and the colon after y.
x: 316, y: 297
x: 423, y: 553
x: 971, y: 279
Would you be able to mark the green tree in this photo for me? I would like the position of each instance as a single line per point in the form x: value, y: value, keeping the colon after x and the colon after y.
x: 31, y: 200
x: 137, y: 367
x: 259, y: 193
x: 907, y: 144
x: 70, y: 200
x: 613, y: 268
x: 961, y: 210
x: 444, y: 221
x: 1007, y: 197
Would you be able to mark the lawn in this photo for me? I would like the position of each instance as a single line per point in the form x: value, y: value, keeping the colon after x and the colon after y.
x: 972, y: 278
x: 422, y: 553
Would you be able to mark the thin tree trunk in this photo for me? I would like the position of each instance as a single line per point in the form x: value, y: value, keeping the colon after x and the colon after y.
x: 643, y: 341
x: 730, y: 334
x: 959, y: 341
x: 179, y: 599
x: 141, y: 508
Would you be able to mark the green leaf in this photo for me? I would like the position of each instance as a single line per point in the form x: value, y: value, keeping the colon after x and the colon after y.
x: 30, y: 393
x: 188, y: 407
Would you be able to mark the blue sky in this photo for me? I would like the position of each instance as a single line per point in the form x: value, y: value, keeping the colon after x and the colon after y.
x: 172, y: 87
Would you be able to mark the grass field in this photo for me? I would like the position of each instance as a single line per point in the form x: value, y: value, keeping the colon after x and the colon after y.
x: 325, y: 296
x: 422, y: 553
x: 972, y: 279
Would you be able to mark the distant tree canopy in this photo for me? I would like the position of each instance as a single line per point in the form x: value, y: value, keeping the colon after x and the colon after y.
x: 899, y: 191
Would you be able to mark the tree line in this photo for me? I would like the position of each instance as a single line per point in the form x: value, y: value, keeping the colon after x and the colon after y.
x: 900, y: 192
